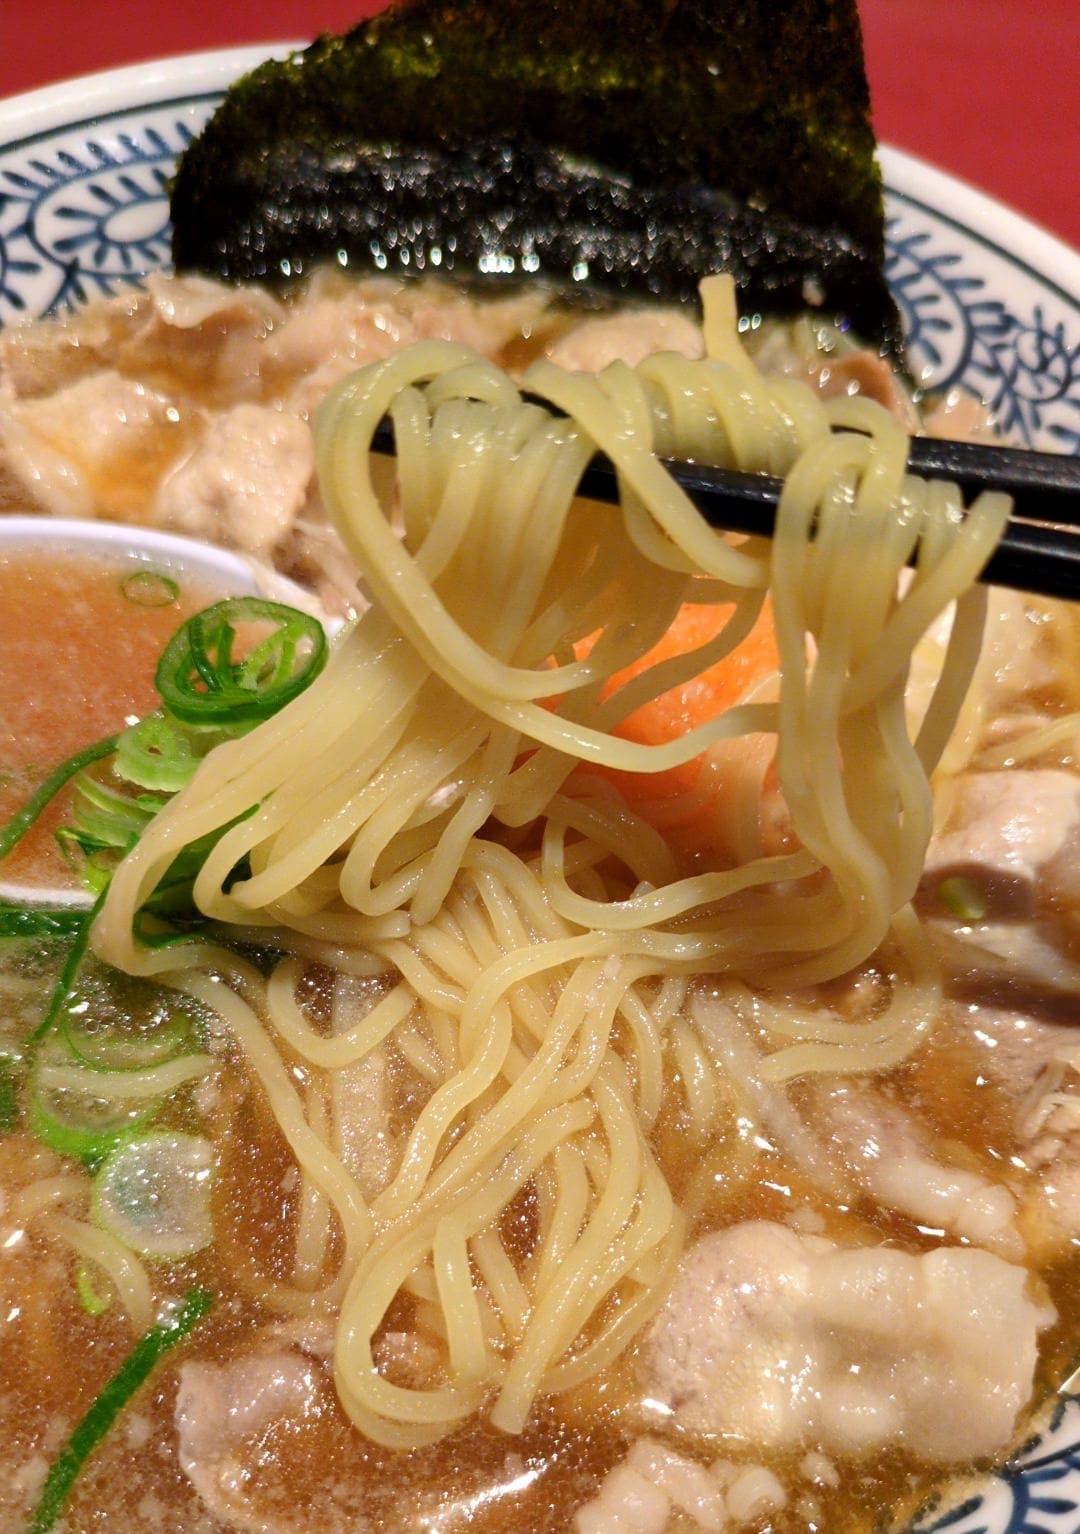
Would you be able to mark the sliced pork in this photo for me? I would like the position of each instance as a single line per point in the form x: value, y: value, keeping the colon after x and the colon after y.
x: 788, y: 1342
x: 895, y: 1164
x: 224, y: 1415
x: 244, y: 484
x: 1004, y: 827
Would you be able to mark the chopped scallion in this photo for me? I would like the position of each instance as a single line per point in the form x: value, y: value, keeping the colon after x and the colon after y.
x: 963, y: 898
x: 162, y: 754
x: 83, y: 1127
x: 66, y: 983
x: 150, y: 588
x: 17, y: 827
x: 208, y: 696
x: 30, y: 922
x: 201, y: 683
x: 110, y: 817
x: 132, y: 1373
x: 152, y: 1193
x: 94, y: 1300
x: 104, y: 1049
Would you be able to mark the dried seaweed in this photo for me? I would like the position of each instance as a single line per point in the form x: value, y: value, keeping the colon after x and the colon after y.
x: 631, y: 145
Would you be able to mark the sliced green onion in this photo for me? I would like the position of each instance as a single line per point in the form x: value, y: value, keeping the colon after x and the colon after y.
x: 200, y: 682
x: 31, y: 922
x: 132, y: 1373
x: 66, y: 983
x: 96, y: 863
x: 161, y: 753
x: 85, y: 1109
x: 108, y: 823
x: 93, y: 1300
x: 108, y: 1049
x: 963, y: 898
x: 153, y: 1194
x: 150, y: 588
x: 107, y: 818
x: 17, y: 827
x: 84, y: 1124
x: 9, y: 1101
x: 208, y: 696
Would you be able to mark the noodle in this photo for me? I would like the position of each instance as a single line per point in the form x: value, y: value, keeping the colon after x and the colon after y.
x: 125, y: 1272
x: 423, y: 802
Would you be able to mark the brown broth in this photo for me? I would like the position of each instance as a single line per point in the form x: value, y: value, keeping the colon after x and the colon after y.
x: 66, y: 617
x: 61, y: 619
x: 55, y: 1359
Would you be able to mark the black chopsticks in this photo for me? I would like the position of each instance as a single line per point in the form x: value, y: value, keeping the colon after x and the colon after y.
x: 1039, y: 551
x: 1040, y: 548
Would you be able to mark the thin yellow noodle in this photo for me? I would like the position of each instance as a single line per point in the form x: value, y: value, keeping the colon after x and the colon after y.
x: 469, y: 1360
x: 124, y: 1271
x: 496, y: 1268
x: 419, y: 1052
x: 313, y: 1222
x: 341, y: 1049
x: 388, y: 1413
x: 646, y: 1052
x: 44, y: 1193
x: 887, y: 1040
x: 418, y: 813
x: 132, y: 1085
x: 566, y: 1217
x: 313, y: 1155
x: 593, y: 1264
x: 697, y: 1077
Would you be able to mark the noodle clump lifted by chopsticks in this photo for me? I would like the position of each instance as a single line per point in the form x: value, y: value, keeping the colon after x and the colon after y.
x: 422, y: 805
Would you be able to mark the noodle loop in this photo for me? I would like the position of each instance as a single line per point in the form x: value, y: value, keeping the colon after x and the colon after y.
x: 435, y: 798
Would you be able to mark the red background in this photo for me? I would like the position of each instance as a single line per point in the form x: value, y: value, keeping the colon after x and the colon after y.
x: 987, y: 89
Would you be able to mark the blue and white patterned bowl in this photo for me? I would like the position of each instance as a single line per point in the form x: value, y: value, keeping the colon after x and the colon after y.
x: 990, y: 304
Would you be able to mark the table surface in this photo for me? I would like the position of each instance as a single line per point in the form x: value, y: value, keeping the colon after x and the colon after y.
x: 987, y: 89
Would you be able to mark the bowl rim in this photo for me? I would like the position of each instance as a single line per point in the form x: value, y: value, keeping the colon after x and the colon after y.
x: 181, y: 77
x: 225, y: 571
x: 126, y: 540
x: 187, y: 78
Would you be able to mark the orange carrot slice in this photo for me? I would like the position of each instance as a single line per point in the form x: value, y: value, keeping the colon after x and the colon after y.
x: 694, y: 702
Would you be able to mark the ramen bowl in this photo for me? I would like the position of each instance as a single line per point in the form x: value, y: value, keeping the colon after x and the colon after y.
x: 988, y: 306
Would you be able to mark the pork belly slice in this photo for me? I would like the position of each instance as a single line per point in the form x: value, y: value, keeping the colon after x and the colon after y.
x: 1004, y: 829
x: 1032, y: 1055
x: 890, y: 1154
x: 788, y: 1341
x: 244, y: 484
x: 226, y: 1416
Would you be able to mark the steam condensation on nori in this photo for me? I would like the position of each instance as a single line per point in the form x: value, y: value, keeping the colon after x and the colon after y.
x: 633, y: 146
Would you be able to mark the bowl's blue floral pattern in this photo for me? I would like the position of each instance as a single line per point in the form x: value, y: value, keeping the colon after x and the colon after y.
x: 84, y: 211
x: 1037, y: 1492
x: 86, y: 208
x: 1020, y: 351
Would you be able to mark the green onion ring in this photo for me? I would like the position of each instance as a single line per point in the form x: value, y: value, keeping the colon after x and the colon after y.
x: 17, y: 827
x: 137, y: 1367
x: 150, y: 588
x: 200, y: 682
x: 66, y: 983
x: 44, y: 922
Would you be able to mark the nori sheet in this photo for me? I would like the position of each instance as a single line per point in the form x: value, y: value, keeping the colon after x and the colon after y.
x: 646, y: 142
